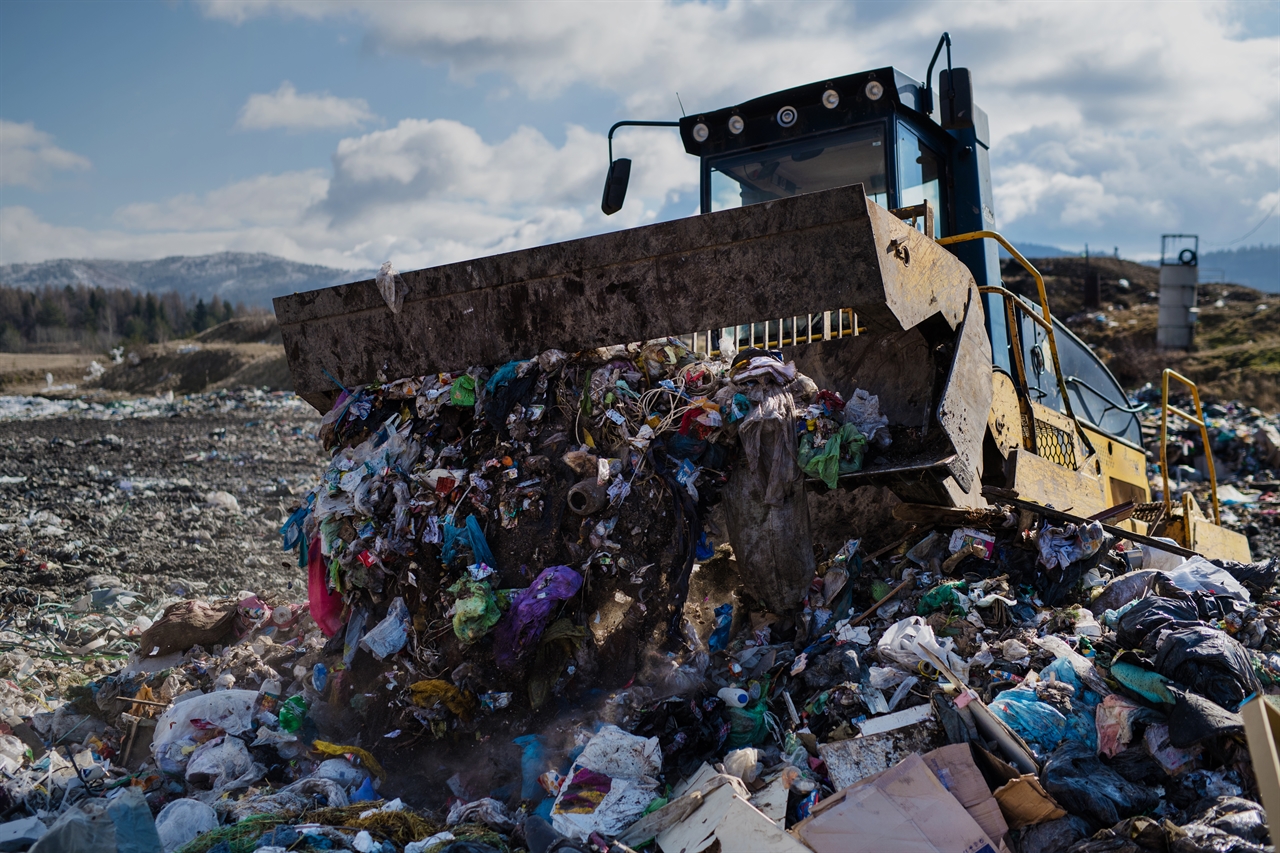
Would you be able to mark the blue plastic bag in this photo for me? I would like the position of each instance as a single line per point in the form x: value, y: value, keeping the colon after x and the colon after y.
x: 1039, y: 723
x: 724, y: 620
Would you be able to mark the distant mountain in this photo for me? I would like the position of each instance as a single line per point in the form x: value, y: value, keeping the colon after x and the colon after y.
x: 234, y: 276
x: 1253, y: 266
x: 1038, y: 250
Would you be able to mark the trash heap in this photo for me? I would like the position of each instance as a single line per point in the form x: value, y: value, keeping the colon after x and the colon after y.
x: 537, y: 619
x: 1246, y: 453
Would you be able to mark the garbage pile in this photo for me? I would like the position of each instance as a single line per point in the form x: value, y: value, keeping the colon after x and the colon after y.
x: 1246, y: 452
x: 547, y: 610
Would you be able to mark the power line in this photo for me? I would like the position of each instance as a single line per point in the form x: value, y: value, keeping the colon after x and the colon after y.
x: 1251, y: 230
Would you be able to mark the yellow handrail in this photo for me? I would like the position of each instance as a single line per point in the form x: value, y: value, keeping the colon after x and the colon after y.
x: 1044, y: 299
x: 1165, y: 409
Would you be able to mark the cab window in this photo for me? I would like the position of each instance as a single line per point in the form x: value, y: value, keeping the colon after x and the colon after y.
x: 920, y: 177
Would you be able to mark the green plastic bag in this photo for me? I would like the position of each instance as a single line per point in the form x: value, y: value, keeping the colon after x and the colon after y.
x: 942, y: 595
x: 842, y: 454
x: 463, y: 392
x: 475, y: 611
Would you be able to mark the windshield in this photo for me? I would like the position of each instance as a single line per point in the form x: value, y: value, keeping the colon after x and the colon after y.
x: 852, y: 157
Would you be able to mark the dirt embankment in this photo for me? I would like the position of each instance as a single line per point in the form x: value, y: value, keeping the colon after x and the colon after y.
x: 245, y: 352
x: 1236, y: 352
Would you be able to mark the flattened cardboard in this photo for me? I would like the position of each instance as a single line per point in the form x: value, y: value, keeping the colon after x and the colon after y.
x: 905, y: 809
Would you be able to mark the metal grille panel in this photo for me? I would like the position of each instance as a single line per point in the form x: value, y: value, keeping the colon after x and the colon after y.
x: 1056, y: 445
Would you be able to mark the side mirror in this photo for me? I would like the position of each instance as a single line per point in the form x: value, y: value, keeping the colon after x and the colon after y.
x: 615, y: 186
x: 957, y: 113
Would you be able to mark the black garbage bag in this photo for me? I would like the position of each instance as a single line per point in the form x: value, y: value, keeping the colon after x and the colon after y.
x: 1134, y: 835
x: 690, y: 730
x: 1136, y: 765
x: 1088, y: 788
x: 1053, y: 836
x: 1260, y: 576
x: 1210, y: 662
x: 1225, y: 825
x: 1195, y: 719
x: 1150, y: 615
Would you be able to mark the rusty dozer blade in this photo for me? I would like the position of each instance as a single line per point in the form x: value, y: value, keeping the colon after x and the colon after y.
x: 921, y: 343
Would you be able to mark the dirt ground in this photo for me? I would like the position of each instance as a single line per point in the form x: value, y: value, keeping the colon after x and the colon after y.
x: 100, y: 492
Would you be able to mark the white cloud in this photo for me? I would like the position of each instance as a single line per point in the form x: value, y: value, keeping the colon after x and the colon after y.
x: 28, y: 157
x: 285, y: 108
x: 420, y: 193
x: 1111, y: 122
x: 262, y: 201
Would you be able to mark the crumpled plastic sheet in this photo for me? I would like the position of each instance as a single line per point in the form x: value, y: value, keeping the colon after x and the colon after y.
x: 518, y: 632
x: 390, y: 635
x: 1061, y: 546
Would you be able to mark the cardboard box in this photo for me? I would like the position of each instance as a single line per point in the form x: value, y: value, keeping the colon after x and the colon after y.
x: 905, y: 809
x: 1262, y: 730
x: 959, y: 774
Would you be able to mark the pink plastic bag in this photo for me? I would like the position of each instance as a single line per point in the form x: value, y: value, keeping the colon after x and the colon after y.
x: 326, y: 606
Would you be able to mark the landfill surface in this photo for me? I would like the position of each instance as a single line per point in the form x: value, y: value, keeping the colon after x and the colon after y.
x: 610, y: 601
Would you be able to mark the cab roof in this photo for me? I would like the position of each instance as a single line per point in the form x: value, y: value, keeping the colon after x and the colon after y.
x: 760, y: 115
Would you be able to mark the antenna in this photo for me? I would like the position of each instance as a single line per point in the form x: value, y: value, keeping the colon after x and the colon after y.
x: 681, y: 103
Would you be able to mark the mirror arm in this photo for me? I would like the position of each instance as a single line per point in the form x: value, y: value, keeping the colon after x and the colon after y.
x: 636, y: 124
x: 928, y: 75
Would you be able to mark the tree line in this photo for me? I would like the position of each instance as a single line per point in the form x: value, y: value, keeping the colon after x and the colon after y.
x: 97, y: 318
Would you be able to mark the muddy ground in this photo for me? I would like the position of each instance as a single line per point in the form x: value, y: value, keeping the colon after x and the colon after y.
x: 129, y: 496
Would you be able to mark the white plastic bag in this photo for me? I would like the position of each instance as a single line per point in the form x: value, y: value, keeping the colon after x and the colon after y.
x: 631, y: 763
x: 863, y: 411
x: 902, y: 642
x: 230, y: 710
x: 1197, y: 573
x: 182, y: 820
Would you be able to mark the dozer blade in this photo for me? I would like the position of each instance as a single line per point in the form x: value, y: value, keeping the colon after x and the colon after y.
x: 922, y: 348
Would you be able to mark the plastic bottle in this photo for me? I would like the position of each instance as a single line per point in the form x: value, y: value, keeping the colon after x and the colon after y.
x: 734, y: 697
x: 268, y: 697
x: 319, y: 677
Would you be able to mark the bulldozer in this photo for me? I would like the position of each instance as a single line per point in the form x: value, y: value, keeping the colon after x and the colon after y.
x: 847, y: 223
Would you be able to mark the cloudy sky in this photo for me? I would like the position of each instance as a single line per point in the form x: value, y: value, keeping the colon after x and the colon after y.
x: 349, y: 133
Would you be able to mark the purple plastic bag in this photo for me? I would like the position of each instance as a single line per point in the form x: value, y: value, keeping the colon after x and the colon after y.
x: 520, y: 629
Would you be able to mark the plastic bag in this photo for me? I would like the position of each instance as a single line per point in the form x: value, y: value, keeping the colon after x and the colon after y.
x: 609, y: 785
x: 942, y: 596
x: 863, y: 411
x: 1088, y: 788
x: 1210, y: 662
x: 392, y: 287
x: 1198, y: 573
x: 724, y: 620
x: 230, y: 710
x: 902, y: 642
x: 182, y: 820
x: 222, y: 764
x: 429, y: 693
x: 475, y: 611
x: 119, y: 825
x: 389, y: 636
x: 518, y: 633
x: 1040, y: 724
x: 842, y: 454
x: 1149, y: 615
